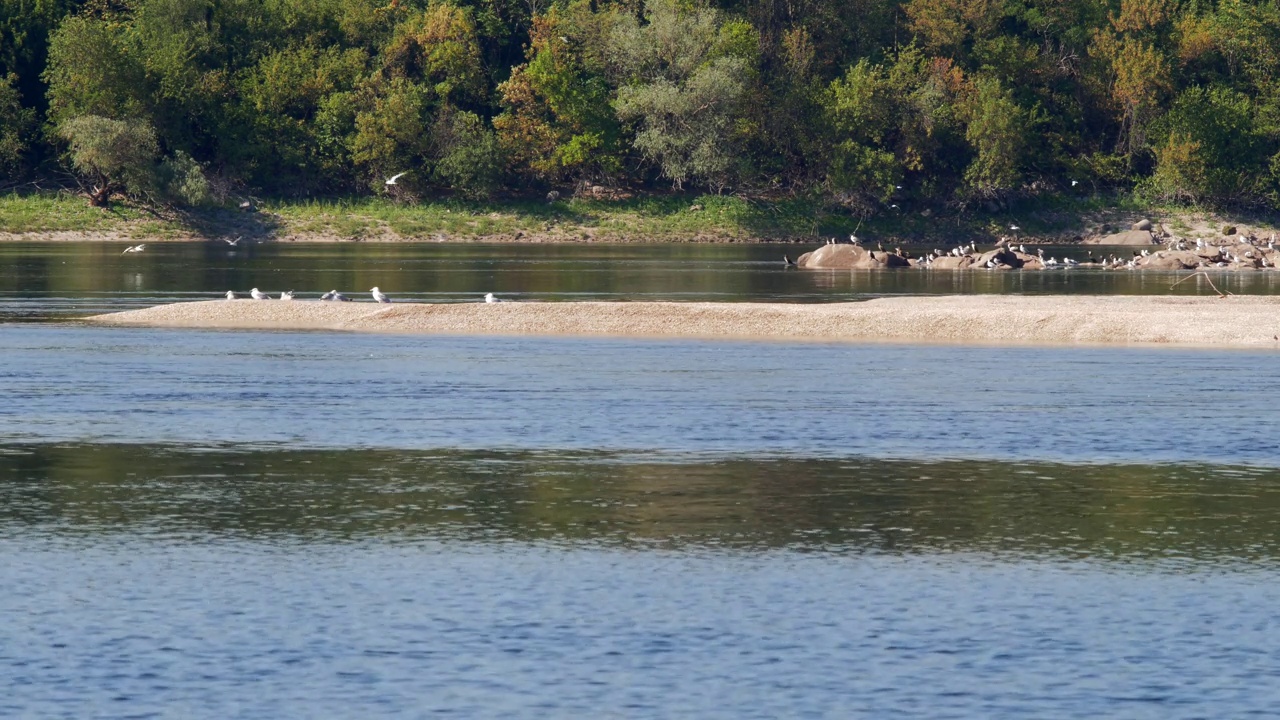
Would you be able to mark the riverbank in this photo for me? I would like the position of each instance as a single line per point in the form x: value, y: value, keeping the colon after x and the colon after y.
x: 1236, y: 321
x: 54, y: 216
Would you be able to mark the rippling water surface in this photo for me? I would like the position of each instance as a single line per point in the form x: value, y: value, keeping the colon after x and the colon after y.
x: 264, y: 525
x: 42, y: 281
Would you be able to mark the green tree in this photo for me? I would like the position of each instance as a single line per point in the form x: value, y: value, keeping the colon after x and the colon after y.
x: 114, y: 155
x: 685, y: 75
x: 16, y: 123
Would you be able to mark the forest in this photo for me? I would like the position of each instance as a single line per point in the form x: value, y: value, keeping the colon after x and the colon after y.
x: 858, y: 103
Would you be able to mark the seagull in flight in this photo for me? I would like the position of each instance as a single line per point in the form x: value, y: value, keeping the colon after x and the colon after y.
x: 392, y: 180
x: 1075, y: 183
x: 257, y: 294
x: 135, y: 248
x: 231, y: 295
x: 235, y: 242
x: 379, y: 295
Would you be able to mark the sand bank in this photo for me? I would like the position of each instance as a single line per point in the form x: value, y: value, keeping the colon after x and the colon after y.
x: 1236, y: 321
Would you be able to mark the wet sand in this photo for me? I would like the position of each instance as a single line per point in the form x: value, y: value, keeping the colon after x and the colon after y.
x: 1236, y: 321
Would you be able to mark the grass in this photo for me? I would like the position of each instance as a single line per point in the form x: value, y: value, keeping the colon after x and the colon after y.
x: 648, y: 218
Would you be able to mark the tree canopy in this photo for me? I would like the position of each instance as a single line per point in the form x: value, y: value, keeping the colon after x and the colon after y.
x: 865, y: 103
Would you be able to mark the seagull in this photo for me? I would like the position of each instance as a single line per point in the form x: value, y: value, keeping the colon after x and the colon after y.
x: 329, y: 295
x: 286, y: 295
x: 854, y: 239
x: 379, y: 295
x: 489, y: 298
x: 233, y: 243
x: 1014, y: 228
x: 788, y: 261
x: 257, y: 294
x: 135, y: 248
x: 392, y: 180
x: 335, y: 296
x: 1075, y: 183
x: 231, y: 294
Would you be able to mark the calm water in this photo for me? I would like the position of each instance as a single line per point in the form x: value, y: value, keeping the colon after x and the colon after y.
x: 42, y: 281
x: 265, y: 525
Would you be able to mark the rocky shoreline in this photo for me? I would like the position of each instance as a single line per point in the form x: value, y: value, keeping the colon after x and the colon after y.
x: 1234, y: 252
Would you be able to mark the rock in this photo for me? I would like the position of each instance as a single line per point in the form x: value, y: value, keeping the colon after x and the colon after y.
x: 248, y: 206
x: 1003, y: 256
x: 1132, y: 237
x: 837, y: 257
x: 951, y: 262
x: 888, y: 259
x: 695, y: 208
x: 1170, y: 260
x: 1208, y: 253
x: 1143, y: 224
x: 1229, y: 230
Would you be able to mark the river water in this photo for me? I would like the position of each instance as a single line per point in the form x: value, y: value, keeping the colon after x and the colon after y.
x: 262, y: 525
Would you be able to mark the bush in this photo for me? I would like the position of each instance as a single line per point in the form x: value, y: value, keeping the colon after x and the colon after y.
x: 180, y: 180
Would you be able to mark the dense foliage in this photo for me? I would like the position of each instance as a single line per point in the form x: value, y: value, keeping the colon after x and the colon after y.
x: 866, y: 103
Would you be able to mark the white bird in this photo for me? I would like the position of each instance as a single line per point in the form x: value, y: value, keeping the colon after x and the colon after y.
x: 379, y: 295
x: 392, y: 180
x: 489, y: 298
x: 1075, y: 183
x: 135, y: 248
x: 335, y: 296
x: 233, y: 243
x: 286, y: 295
x: 1022, y: 249
x: 1014, y: 228
x: 231, y: 294
x: 257, y: 294
x: 854, y: 239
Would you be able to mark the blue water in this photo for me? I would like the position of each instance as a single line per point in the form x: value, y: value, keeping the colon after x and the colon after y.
x: 709, y: 399
x: 207, y: 524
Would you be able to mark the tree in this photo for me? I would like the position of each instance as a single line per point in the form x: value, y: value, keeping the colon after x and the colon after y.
x: 468, y: 157
x: 685, y: 74
x: 16, y: 123
x: 997, y: 129
x: 113, y: 154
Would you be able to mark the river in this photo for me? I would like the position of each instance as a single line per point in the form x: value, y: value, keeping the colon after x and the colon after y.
x: 248, y: 524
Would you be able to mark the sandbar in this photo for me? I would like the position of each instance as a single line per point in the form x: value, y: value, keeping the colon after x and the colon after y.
x: 1195, y: 321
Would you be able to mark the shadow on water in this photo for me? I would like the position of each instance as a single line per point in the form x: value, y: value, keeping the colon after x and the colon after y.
x: 1108, y: 512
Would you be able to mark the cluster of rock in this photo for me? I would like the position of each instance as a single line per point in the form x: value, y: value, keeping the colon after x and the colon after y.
x: 1235, y: 252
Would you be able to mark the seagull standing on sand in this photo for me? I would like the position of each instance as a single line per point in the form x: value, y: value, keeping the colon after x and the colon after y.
x: 135, y: 248
x: 286, y: 295
x: 231, y: 295
x: 379, y: 295
x: 257, y: 294
x: 489, y: 298
x: 392, y: 180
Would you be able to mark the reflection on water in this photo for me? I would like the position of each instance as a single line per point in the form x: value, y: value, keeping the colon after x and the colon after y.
x: 42, y: 281
x: 1158, y: 514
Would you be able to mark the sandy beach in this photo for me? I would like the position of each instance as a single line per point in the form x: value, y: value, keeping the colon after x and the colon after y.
x: 1235, y: 321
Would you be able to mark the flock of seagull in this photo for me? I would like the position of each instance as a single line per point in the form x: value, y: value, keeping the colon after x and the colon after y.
x: 334, y: 296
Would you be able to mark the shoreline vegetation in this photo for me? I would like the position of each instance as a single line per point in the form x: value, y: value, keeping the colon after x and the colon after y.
x: 1231, y: 322
x: 622, y: 120
x: 65, y: 216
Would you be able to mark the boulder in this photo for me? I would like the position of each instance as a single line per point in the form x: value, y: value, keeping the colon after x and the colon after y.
x: 1143, y: 224
x: 838, y: 257
x: 1170, y: 260
x: 1003, y: 256
x: 951, y: 262
x: 1132, y: 237
x: 1229, y: 230
x: 1208, y: 253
